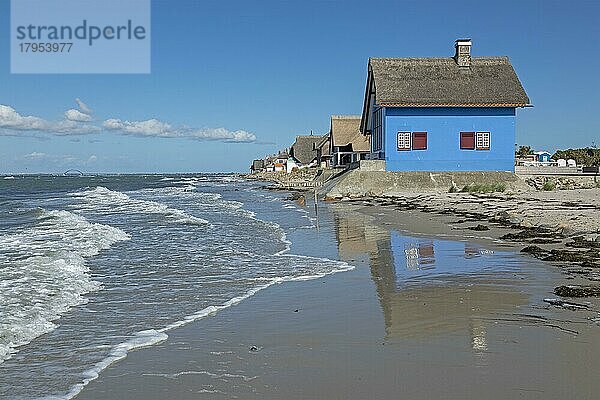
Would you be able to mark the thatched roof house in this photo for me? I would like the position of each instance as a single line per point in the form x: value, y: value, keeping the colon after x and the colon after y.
x: 428, y: 114
x: 257, y: 165
x: 347, y: 143
x: 345, y: 132
x: 304, y: 149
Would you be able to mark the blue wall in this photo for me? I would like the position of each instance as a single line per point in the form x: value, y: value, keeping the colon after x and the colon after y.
x: 443, y: 127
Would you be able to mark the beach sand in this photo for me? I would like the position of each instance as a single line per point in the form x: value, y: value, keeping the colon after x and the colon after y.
x: 363, y: 335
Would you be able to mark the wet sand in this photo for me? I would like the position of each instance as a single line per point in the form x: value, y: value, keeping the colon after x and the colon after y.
x: 398, y: 326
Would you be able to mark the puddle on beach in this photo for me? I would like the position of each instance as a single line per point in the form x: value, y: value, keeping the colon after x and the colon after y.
x: 431, y: 287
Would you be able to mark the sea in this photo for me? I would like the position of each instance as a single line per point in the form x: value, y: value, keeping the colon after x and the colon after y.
x: 94, y: 267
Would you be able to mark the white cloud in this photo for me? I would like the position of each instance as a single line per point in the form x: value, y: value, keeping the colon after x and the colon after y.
x: 223, y: 134
x: 35, y: 155
x: 77, y: 116
x: 151, y: 127
x: 67, y: 127
x: 10, y: 119
x: 77, y: 122
x: 156, y: 128
x: 83, y: 107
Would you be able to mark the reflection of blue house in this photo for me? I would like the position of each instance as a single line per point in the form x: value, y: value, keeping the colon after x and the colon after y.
x: 443, y: 114
x: 427, y: 258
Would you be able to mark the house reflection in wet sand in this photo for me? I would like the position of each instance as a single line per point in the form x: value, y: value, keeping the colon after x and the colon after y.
x: 429, y: 287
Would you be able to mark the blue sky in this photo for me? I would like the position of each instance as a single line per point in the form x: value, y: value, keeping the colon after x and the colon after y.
x: 277, y: 69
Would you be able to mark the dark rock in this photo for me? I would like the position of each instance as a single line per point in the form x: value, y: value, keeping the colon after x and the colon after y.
x: 577, y: 291
x: 544, y: 241
x: 255, y: 349
x: 295, y: 196
x: 565, y: 255
x: 534, y: 250
x: 531, y: 233
x: 479, y: 227
x: 591, y: 264
x: 582, y: 242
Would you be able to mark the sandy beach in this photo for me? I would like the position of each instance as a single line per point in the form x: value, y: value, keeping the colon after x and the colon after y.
x: 398, y: 325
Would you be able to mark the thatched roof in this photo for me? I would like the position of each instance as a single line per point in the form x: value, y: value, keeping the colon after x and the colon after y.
x: 345, y: 131
x: 440, y: 82
x: 323, y: 145
x: 258, y: 165
x: 303, y: 148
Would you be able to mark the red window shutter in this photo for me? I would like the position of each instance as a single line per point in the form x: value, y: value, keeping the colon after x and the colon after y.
x: 419, y: 140
x: 467, y: 140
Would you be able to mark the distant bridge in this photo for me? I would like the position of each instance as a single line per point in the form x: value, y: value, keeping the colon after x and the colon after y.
x: 73, y: 172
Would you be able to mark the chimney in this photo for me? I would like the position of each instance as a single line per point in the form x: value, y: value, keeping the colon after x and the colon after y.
x: 462, y: 56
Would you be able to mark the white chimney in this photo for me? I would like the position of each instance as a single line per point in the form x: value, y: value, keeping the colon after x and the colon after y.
x: 462, y: 56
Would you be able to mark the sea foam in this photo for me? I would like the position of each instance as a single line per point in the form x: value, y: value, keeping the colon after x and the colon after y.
x: 110, y: 201
x: 45, y: 273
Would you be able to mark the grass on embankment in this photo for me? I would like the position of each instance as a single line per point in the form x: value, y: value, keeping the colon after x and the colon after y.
x: 480, y: 188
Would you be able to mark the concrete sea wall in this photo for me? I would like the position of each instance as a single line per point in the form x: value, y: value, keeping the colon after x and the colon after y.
x: 359, y: 183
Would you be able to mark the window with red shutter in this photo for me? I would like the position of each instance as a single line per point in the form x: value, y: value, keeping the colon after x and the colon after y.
x: 419, y: 141
x: 467, y: 140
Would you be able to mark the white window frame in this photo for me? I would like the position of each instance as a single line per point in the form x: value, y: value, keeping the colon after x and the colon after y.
x: 404, y: 141
x: 483, y: 140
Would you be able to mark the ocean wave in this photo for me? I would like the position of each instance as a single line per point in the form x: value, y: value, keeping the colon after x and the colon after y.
x: 109, y: 201
x: 44, y: 273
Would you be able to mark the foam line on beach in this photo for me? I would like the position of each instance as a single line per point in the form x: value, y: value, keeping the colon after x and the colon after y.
x: 207, y: 373
x: 151, y: 337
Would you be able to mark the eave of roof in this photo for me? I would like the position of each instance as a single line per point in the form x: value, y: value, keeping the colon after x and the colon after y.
x: 400, y: 104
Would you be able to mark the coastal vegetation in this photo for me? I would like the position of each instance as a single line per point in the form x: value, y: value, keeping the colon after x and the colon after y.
x: 484, y: 188
x: 588, y: 156
x: 549, y: 186
x: 524, y: 151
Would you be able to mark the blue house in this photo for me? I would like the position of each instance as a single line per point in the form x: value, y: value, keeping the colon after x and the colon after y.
x: 443, y: 114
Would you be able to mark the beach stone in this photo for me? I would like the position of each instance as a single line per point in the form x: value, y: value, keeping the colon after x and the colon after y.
x: 565, y: 229
x: 502, y: 215
x: 516, y: 220
x: 526, y: 224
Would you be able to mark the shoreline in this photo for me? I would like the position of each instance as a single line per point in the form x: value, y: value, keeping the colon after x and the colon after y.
x: 314, y: 331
